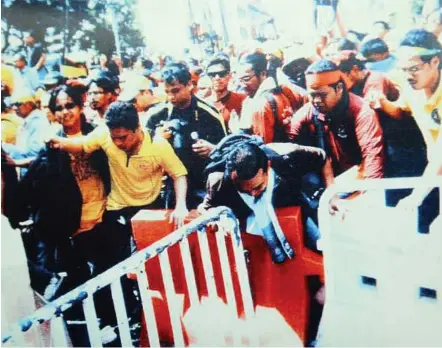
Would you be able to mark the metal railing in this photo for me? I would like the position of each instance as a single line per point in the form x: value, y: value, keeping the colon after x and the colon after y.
x: 227, y: 225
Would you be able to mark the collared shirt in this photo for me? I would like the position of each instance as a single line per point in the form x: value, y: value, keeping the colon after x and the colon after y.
x: 30, y: 137
x: 135, y: 180
x: 232, y: 102
x: 426, y: 111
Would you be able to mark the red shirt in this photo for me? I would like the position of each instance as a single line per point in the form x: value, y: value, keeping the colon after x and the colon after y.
x: 377, y: 82
x: 232, y: 101
x: 354, y: 136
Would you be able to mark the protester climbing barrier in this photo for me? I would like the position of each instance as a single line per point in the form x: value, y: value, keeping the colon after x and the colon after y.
x: 383, y: 275
x: 238, y: 300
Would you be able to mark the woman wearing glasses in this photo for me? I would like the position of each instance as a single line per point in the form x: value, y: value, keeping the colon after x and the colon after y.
x: 67, y: 196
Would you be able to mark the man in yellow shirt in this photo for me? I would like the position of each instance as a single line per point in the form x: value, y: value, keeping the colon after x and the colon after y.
x: 137, y: 165
x: 420, y: 58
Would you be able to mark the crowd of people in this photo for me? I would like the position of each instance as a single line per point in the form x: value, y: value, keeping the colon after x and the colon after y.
x: 83, y: 150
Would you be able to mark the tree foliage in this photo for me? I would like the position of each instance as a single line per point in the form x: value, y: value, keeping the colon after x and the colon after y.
x: 83, y: 23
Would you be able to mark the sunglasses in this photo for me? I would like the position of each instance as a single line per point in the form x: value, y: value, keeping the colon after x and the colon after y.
x: 67, y: 106
x: 221, y: 74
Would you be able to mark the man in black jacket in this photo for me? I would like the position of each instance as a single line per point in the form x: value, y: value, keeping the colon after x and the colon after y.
x: 192, y: 127
x: 258, y: 179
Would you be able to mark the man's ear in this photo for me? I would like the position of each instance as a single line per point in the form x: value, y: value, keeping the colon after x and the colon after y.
x: 435, y: 62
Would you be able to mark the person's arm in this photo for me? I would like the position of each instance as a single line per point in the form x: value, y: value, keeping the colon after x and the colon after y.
x: 378, y: 100
x: 213, y: 185
x: 41, y: 61
x: 88, y: 144
x: 181, y: 211
x: 370, y: 138
x: 69, y: 145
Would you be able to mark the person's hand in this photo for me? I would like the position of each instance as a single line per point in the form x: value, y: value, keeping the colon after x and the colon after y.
x: 338, y: 207
x: 54, y: 142
x: 203, y: 147
x: 8, y: 159
x: 374, y: 99
x: 178, y: 215
x: 163, y: 132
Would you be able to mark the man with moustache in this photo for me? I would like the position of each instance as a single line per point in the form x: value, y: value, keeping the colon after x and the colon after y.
x: 340, y: 123
x: 226, y: 102
x: 101, y: 93
x: 420, y: 58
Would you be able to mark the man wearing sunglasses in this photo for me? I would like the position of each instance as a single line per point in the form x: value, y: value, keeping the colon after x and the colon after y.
x: 420, y: 59
x: 269, y: 107
x: 227, y: 102
x: 30, y: 136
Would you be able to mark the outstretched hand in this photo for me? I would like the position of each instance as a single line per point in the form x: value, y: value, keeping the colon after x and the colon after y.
x: 179, y: 215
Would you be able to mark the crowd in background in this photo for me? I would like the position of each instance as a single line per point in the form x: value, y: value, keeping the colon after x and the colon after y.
x: 86, y: 147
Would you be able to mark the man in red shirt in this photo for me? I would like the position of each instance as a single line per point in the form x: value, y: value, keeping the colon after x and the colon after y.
x: 339, y: 122
x: 269, y: 107
x: 228, y: 103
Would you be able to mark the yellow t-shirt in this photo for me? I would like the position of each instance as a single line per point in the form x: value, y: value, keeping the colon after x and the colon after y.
x: 91, y: 187
x: 137, y: 180
x: 422, y: 109
x: 10, y: 125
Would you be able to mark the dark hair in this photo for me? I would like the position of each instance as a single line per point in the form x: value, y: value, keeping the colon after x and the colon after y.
x: 257, y: 60
x: 373, y: 46
x: 176, y: 72
x: 384, y: 24
x: 122, y: 115
x: 75, y: 93
x: 146, y: 63
x: 346, y: 45
x: 322, y: 65
x: 219, y: 59
x: 347, y: 65
x: 246, y: 160
x: 108, y: 84
x: 425, y: 39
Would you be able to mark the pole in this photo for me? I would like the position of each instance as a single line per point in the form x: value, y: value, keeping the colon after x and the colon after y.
x: 115, y: 28
x: 66, y: 29
x: 223, y: 22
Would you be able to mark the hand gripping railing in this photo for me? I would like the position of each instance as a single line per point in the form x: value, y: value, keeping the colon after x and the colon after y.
x: 227, y: 224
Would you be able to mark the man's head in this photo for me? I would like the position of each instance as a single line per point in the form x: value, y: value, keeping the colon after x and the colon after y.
x: 252, y: 71
x: 325, y: 85
x: 204, y: 87
x: 380, y: 29
x: 32, y: 36
x: 101, y: 93
x: 374, y: 50
x: 138, y: 90
x: 69, y: 106
x: 178, y: 84
x: 123, y: 122
x: 218, y: 70
x: 248, y: 169
x: 352, y: 67
x: 20, y: 61
x: 24, y: 102
x: 420, y: 55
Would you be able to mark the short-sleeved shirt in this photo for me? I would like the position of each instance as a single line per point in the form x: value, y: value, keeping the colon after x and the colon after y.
x: 426, y: 111
x: 135, y: 180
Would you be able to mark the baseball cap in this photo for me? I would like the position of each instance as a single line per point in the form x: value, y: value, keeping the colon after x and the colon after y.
x: 133, y: 85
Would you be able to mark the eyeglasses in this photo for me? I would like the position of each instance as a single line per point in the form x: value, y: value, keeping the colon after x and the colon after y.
x: 92, y: 93
x: 246, y: 78
x: 435, y: 116
x: 67, y: 106
x: 414, y: 69
x: 220, y: 74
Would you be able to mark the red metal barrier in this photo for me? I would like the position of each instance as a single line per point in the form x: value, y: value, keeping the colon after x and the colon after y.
x: 283, y: 286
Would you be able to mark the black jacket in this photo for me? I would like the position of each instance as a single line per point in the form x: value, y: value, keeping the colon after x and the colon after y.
x: 50, y: 190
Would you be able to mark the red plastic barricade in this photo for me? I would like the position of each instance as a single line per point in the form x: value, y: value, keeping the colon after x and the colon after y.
x: 282, y: 286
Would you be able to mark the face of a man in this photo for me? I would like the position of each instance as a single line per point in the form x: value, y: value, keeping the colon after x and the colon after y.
x: 143, y: 100
x: 248, y: 79
x: 68, y: 114
x: 125, y: 139
x: 98, y: 98
x: 24, y: 109
x: 178, y: 94
x: 219, y: 76
x: 254, y: 186
x: 20, y: 64
x: 325, y: 98
x: 418, y: 73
